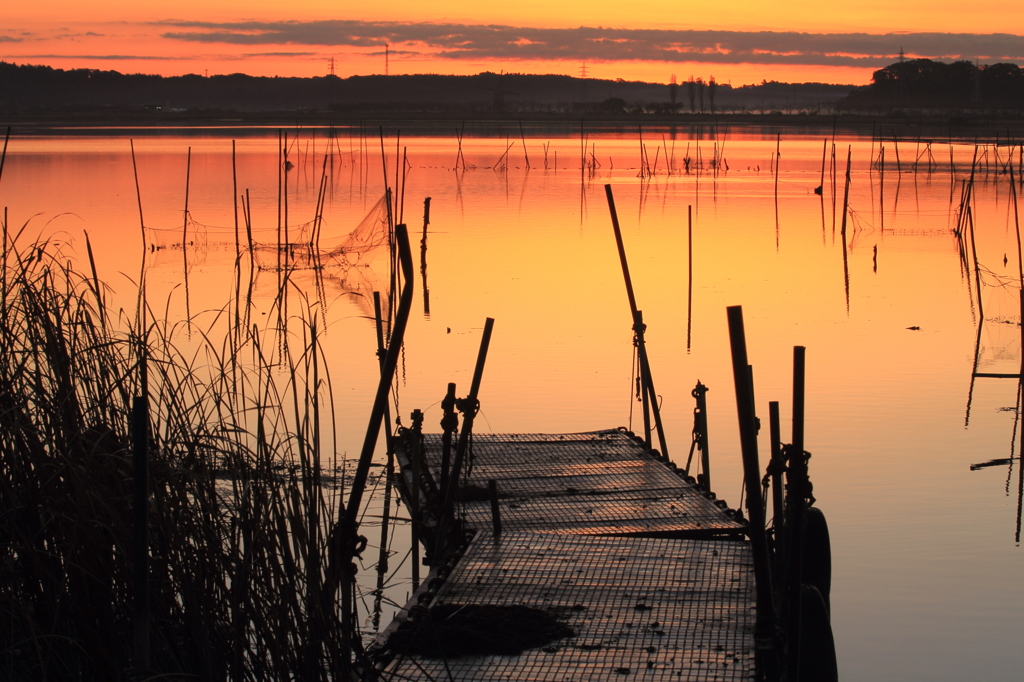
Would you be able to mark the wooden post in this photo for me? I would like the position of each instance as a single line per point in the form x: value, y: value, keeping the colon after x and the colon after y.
x: 448, y: 508
x: 699, y: 392
x: 798, y: 491
x: 765, y: 627
x: 778, y: 510
x: 140, y: 547
x: 492, y: 490
x: 449, y: 424
x: 417, y: 513
x: 346, y: 538
x: 638, y: 331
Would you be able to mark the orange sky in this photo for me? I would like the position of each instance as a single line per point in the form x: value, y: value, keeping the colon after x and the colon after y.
x: 652, y: 41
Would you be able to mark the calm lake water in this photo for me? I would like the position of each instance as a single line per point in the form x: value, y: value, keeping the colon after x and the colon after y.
x: 927, y: 571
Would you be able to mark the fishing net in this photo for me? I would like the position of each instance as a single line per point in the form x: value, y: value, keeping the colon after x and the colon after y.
x: 192, y: 237
x: 1000, y: 341
x: 369, y: 238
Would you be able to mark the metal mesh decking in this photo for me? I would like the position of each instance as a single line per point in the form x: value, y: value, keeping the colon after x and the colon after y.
x: 590, y: 483
x: 611, y: 541
x: 655, y: 608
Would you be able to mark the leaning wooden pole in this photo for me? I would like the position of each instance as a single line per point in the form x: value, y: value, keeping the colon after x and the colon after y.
x: 346, y: 543
x: 647, y: 382
x: 765, y: 625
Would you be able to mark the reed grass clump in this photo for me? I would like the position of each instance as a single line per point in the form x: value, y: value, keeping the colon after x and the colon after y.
x: 241, y: 516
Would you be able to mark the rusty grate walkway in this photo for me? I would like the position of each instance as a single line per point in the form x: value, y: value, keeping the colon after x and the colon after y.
x: 603, y: 482
x: 653, y: 578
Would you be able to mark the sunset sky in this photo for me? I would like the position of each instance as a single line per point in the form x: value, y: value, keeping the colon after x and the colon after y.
x: 736, y: 41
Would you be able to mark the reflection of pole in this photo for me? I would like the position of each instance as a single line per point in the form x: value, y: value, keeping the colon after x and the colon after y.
x: 423, y: 256
x: 689, y: 275
x: 842, y: 231
x: 638, y: 328
x: 764, y: 634
x: 974, y: 373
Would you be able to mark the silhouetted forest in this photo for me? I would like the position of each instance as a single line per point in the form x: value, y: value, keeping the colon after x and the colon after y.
x: 923, y: 84
x: 27, y: 89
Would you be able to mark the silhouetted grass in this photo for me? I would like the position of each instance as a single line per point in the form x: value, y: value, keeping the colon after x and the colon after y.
x: 240, y: 516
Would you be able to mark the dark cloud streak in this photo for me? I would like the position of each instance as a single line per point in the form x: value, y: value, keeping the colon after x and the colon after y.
x: 480, y: 42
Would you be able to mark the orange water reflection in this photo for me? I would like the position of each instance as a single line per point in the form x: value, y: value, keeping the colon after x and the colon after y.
x: 926, y: 570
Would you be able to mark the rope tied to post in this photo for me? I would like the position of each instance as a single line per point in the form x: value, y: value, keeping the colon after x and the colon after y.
x: 469, y: 411
x: 797, y: 473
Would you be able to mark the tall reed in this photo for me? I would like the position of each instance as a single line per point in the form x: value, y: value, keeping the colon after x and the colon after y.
x: 242, y: 497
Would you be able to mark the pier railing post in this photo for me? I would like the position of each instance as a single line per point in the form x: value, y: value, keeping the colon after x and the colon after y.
x: 700, y: 436
x: 492, y: 492
x: 646, y: 381
x: 449, y: 425
x: 797, y: 492
x: 417, y: 513
x: 645, y: 398
x: 775, y: 470
x: 765, y: 627
x: 448, y: 507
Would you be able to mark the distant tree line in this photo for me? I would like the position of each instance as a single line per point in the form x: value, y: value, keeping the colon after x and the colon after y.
x: 29, y: 88
x: 923, y: 84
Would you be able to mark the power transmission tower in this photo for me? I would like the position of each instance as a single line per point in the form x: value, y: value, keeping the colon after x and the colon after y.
x: 330, y: 66
x: 387, y: 59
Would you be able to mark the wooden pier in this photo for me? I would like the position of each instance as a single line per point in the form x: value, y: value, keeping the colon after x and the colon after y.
x: 651, y: 574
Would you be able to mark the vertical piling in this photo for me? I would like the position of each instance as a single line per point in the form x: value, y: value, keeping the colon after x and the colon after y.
x: 765, y: 627
x: 798, y: 491
x: 417, y: 474
x: 492, y: 491
x: 776, y: 467
x: 449, y: 424
x: 472, y: 404
x: 140, y: 548
x: 701, y: 419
